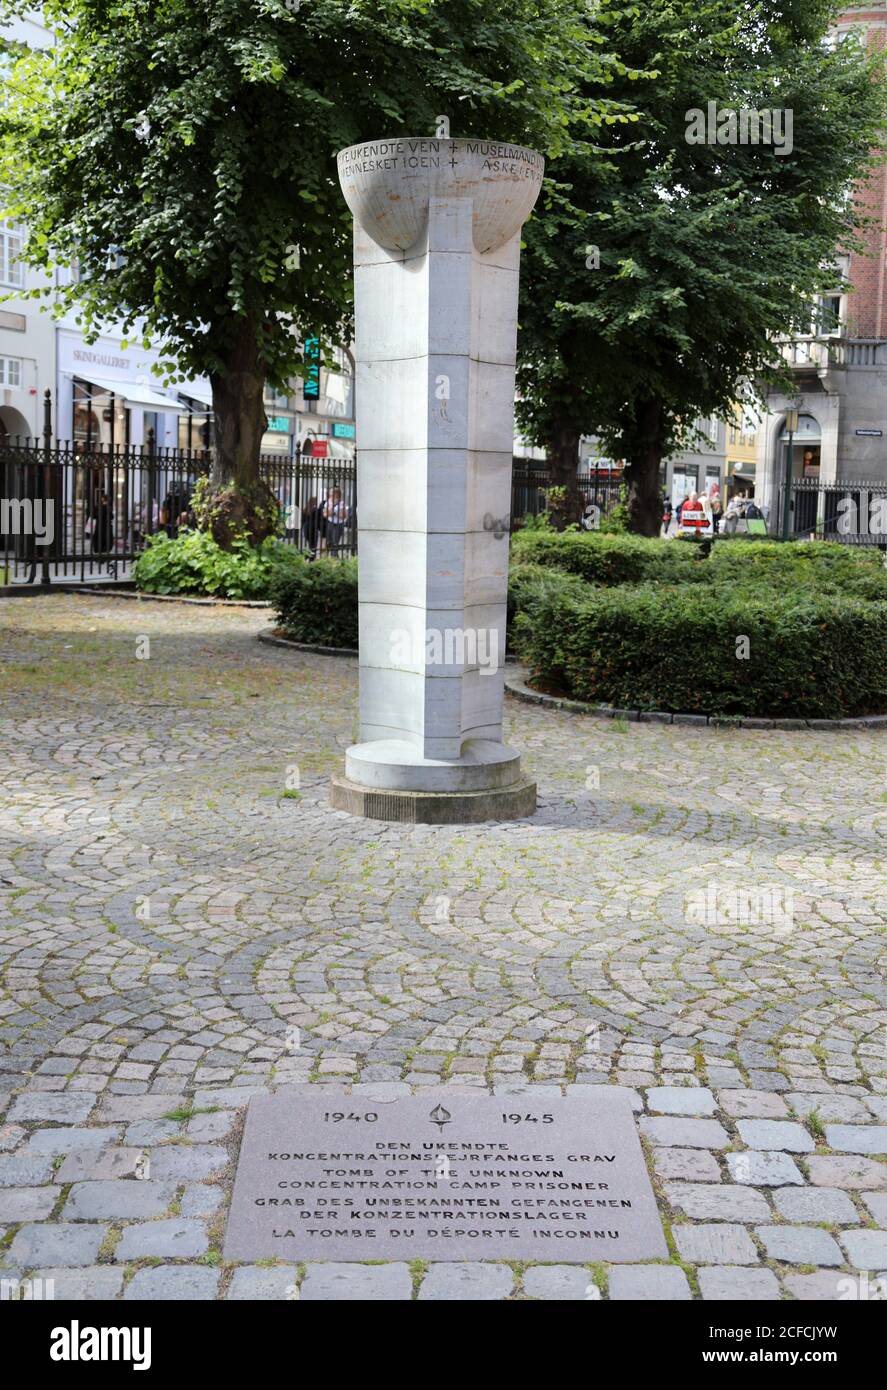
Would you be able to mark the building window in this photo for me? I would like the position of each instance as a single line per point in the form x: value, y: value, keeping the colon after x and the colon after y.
x: 10, y: 371
x: 827, y: 318
x: 12, y: 271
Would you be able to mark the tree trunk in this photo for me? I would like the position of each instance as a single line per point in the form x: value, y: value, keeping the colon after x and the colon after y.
x: 562, y: 458
x: 237, y: 502
x: 644, y: 501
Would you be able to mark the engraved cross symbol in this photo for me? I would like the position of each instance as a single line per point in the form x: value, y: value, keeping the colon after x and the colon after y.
x: 453, y: 163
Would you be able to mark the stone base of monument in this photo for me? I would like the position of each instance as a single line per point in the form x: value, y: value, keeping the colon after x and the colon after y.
x: 388, y: 780
x: 435, y: 808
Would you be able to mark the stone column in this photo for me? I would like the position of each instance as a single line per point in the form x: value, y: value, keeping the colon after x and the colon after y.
x: 436, y: 253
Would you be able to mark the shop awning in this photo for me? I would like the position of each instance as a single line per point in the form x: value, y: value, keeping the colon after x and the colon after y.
x: 134, y: 393
x: 202, y: 394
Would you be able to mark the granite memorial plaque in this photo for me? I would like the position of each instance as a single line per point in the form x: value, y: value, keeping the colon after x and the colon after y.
x: 443, y: 1177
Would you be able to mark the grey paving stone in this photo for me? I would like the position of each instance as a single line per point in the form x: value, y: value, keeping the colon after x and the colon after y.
x: 877, y: 1205
x: 799, y: 1245
x: 717, y: 1201
x: 26, y: 1203
x: 694, y: 1165
x: 750, y: 1104
x: 823, y: 1204
x: 201, y: 1199
x: 856, y: 1174
x: 720, y: 1244
x: 466, y: 1282
x: 843, y: 1109
x: 768, y: 1080
x: 96, y: 1165
x: 139, y: 1107
x: 10, y: 1137
x: 821, y: 1287
x: 143, y: 1134
x: 57, y: 1243
x: 173, y: 1283
x: 772, y: 1169
x: 866, y: 1249
x: 680, y: 1100
x: 124, y: 1199
x: 188, y: 1161
x: 25, y: 1170
x: 557, y: 1282
x: 775, y: 1134
x: 857, y: 1139
x: 64, y: 1141
x: 93, y: 1282
x: 648, y: 1283
x: 684, y: 1134
x: 328, y: 1283
x: 724, y: 1076
x: 207, y: 1127
x: 175, y: 1238
x: 253, y: 1282
x: 228, y: 1097
x: 66, y: 1107
x: 732, y: 1283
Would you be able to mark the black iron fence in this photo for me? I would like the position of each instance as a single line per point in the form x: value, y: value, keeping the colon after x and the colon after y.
x: 71, y: 513
x: 529, y: 486
x: 851, y: 512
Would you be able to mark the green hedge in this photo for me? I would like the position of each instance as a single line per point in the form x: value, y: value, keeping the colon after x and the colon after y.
x: 529, y: 585
x: 615, y: 560
x: 812, y: 655
x: 193, y: 563
x: 605, y: 559
x: 317, y: 603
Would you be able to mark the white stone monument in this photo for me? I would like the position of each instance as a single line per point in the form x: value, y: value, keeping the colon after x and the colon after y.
x: 436, y: 253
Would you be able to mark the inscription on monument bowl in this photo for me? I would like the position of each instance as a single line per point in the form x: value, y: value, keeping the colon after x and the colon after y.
x: 443, y: 1177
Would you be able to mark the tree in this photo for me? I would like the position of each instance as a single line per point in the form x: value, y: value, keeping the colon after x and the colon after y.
x: 658, y: 271
x: 181, y: 153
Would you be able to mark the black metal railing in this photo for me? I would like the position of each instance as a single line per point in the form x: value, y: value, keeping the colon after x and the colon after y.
x: 852, y: 511
x: 530, y: 483
x: 71, y: 514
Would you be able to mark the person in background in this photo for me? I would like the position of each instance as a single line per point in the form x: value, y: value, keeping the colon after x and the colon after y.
x: 175, y: 512
x: 689, y: 503
x: 102, y: 530
x: 311, y: 523
x: 714, y: 497
x: 335, y: 516
x: 667, y: 511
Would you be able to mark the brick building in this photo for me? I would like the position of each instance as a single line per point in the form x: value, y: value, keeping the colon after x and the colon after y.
x: 840, y: 368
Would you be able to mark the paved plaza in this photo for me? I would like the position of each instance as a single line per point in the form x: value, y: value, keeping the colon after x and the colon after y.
x: 699, y: 915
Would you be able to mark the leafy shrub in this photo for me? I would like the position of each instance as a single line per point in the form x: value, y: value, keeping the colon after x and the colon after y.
x: 812, y: 654
x: 820, y: 564
x: 621, y: 559
x: 529, y: 584
x: 607, y: 559
x: 193, y: 563
x: 317, y: 603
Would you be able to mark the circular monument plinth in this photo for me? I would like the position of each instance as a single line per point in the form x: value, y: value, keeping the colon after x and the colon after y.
x: 514, y: 802
x: 388, y: 780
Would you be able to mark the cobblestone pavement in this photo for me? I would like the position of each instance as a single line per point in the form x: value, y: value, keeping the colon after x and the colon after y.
x: 697, y: 915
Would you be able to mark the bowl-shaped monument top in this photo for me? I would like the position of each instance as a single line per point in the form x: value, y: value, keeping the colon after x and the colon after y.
x: 388, y: 184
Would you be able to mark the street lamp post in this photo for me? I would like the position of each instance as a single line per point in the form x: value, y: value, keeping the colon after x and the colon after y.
x: 791, y: 424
